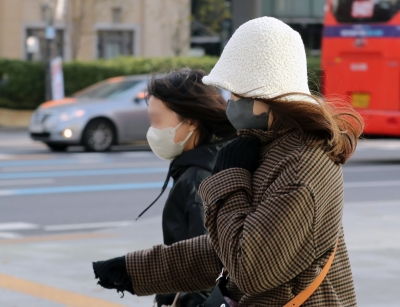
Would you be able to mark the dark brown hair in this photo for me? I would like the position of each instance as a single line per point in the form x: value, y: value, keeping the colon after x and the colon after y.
x: 336, y: 124
x: 183, y: 92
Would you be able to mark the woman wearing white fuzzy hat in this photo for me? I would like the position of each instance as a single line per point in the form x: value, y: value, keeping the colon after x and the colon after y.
x: 273, y: 206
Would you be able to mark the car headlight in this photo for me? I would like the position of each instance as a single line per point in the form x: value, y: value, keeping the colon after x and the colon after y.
x: 67, y: 133
x: 65, y: 116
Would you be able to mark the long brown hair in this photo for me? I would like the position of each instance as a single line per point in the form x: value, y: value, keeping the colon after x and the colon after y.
x: 336, y: 124
x: 183, y: 92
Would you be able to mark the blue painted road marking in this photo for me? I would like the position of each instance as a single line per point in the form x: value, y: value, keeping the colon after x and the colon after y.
x: 88, y: 188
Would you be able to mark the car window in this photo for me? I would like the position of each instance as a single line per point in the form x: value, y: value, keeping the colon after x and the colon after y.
x: 107, y: 90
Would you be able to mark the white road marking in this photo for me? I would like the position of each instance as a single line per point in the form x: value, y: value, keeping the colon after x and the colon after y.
x: 6, y: 156
x: 372, y: 184
x: 375, y: 168
x: 9, y: 235
x: 138, y: 154
x: 373, y: 203
x: 6, y: 192
x: 20, y: 144
x: 19, y: 182
x: 88, y: 226
x: 379, y: 144
x: 17, y: 226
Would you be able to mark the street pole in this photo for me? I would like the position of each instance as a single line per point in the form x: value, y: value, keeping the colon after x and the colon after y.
x: 243, y: 11
x: 226, y: 26
x: 50, y: 36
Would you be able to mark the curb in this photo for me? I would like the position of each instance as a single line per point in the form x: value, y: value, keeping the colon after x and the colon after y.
x: 14, y: 119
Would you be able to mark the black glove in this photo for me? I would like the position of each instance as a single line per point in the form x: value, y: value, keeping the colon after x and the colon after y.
x: 112, y: 274
x: 242, y: 152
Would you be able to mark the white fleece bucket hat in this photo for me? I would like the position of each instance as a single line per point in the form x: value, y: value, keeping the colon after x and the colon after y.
x: 263, y: 59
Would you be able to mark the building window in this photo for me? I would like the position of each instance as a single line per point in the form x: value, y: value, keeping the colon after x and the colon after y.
x: 114, y: 43
x: 39, y: 33
x: 116, y: 15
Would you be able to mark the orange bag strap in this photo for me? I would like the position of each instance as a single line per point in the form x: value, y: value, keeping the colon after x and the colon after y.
x: 300, y: 298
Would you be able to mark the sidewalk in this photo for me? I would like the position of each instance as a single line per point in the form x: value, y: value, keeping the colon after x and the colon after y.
x: 372, y: 233
x: 66, y: 265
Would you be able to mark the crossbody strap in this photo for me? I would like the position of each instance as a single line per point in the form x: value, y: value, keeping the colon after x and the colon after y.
x: 300, y: 298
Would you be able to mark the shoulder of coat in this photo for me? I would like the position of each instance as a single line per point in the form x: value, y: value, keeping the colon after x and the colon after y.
x: 308, y: 162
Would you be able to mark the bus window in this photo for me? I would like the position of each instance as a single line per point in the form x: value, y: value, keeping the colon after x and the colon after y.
x: 364, y: 11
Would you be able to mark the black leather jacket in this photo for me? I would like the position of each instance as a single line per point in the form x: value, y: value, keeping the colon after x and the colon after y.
x: 183, y: 215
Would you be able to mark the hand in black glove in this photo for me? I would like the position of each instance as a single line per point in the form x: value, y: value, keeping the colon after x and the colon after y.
x: 243, y: 152
x: 112, y: 274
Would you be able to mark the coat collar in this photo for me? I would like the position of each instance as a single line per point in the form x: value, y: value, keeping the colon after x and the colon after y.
x: 203, y: 156
x: 277, y: 130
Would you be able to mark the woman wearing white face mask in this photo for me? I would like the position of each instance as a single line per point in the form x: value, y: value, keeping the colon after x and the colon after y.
x: 188, y: 126
x: 274, y: 203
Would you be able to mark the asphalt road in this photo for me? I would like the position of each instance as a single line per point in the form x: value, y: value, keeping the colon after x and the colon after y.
x: 42, y: 192
x: 48, y: 194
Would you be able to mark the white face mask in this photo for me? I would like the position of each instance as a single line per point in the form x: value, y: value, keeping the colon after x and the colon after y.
x: 162, y: 142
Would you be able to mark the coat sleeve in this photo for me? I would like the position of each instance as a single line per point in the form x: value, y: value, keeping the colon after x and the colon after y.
x: 187, y: 266
x: 262, y: 246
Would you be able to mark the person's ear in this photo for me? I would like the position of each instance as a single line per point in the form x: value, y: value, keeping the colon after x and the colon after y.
x: 193, y: 124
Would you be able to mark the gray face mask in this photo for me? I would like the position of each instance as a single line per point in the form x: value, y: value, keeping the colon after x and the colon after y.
x: 240, y: 114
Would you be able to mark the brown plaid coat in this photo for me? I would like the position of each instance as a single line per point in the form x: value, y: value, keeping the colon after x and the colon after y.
x: 274, y: 233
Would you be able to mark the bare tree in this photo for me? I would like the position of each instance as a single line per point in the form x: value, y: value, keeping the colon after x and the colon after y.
x: 211, y: 13
x: 78, y: 15
x: 82, y: 12
x: 180, y: 37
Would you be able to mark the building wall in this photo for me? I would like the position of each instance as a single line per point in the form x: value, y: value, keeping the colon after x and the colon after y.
x: 11, y: 31
x: 166, y: 27
x: 1, y: 26
x: 159, y: 27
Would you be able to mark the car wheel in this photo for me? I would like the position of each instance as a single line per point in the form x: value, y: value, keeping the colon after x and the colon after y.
x: 57, y: 147
x: 99, y: 135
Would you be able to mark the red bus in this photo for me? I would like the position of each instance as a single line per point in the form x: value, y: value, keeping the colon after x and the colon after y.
x: 361, y: 60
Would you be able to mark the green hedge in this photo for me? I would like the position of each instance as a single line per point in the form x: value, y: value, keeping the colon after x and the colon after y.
x: 25, y: 85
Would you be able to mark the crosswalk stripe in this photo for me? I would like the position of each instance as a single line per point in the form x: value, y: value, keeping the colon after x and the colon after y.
x: 79, y: 189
